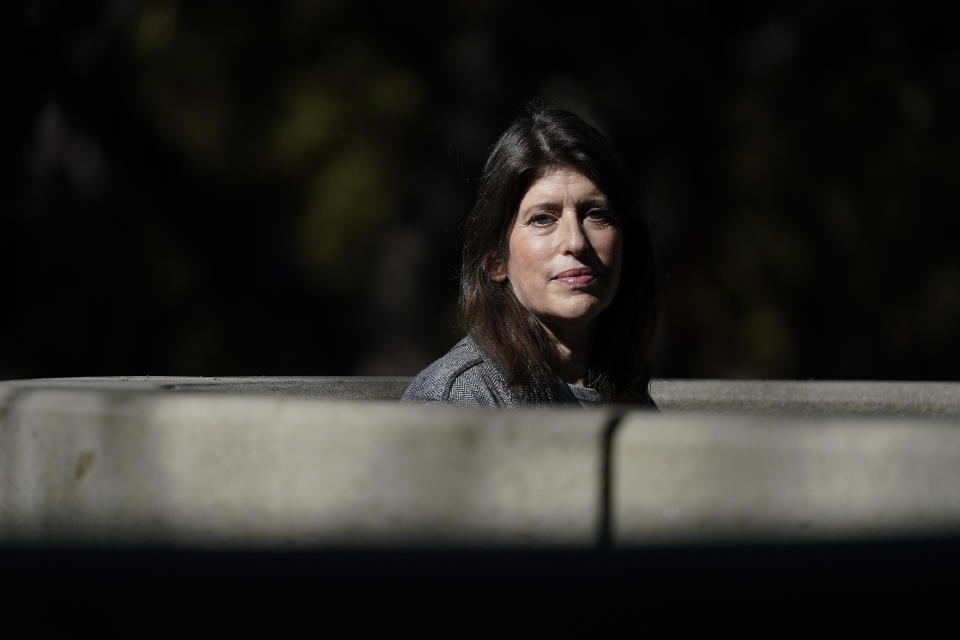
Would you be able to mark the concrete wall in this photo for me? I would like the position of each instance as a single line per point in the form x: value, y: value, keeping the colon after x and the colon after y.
x: 813, y: 398
x: 316, y: 463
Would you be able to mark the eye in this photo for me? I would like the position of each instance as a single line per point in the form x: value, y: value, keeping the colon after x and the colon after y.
x: 541, y: 219
x: 600, y: 216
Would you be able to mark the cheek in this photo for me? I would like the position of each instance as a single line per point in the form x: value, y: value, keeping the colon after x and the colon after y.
x: 609, y: 247
x: 527, y: 257
x: 612, y: 256
x: 618, y: 250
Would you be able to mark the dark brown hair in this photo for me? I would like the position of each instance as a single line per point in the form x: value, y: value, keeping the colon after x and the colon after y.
x: 541, y: 137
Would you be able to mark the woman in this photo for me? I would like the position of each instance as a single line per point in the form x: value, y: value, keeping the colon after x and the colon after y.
x: 558, y: 280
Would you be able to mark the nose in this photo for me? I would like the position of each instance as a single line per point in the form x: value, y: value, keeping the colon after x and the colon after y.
x: 572, y: 239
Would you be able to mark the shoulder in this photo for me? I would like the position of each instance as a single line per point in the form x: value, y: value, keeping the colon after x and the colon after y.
x: 463, y: 376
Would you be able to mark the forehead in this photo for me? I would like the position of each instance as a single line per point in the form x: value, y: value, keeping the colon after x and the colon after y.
x: 558, y: 183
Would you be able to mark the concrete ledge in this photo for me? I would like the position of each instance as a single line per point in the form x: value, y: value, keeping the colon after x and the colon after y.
x: 708, y: 478
x: 94, y: 466
x: 813, y: 398
x: 326, y: 387
x: 273, y: 462
x: 890, y: 399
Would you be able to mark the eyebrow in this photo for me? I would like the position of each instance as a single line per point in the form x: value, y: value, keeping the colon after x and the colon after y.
x: 543, y: 205
x: 597, y: 200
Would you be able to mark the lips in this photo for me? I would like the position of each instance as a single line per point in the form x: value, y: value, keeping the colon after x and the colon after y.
x: 576, y: 277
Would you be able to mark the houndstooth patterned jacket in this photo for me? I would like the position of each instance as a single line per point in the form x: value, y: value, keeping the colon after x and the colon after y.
x: 466, y: 375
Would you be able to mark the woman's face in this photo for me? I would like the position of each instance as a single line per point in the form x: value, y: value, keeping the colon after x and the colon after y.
x: 565, y: 251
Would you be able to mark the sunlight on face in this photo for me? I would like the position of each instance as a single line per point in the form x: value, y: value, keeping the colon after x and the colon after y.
x: 564, y: 251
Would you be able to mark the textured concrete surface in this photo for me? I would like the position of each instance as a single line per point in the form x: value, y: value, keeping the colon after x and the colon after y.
x: 301, y: 462
x: 916, y: 399
x: 329, y: 387
x: 108, y: 466
x: 702, y: 477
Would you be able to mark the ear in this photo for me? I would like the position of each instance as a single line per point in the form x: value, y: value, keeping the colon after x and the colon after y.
x: 495, y: 268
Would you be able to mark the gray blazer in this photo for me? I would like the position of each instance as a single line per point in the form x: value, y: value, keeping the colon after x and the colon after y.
x: 466, y: 375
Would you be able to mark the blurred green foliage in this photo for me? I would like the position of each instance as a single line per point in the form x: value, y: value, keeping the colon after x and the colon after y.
x: 276, y: 188
x: 331, y: 124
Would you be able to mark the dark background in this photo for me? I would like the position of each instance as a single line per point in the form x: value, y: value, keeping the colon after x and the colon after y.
x: 225, y: 188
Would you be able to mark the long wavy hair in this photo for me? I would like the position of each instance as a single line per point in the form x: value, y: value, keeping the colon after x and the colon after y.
x: 512, y: 335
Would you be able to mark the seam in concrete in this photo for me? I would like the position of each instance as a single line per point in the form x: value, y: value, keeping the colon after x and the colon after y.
x: 605, y: 511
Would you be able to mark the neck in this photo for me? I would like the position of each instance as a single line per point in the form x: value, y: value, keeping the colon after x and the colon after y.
x: 573, y: 349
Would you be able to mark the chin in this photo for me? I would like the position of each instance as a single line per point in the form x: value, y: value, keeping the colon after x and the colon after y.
x: 583, y: 311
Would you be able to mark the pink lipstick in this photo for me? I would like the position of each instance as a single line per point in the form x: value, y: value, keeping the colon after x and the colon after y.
x: 576, y: 277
